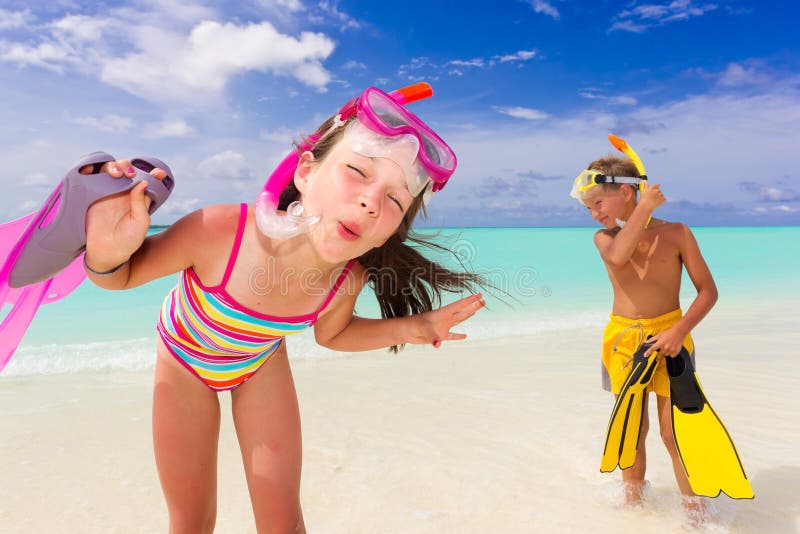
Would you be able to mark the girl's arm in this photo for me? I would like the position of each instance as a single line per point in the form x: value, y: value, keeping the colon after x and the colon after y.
x: 159, y: 255
x: 339, y: 329
x: 191, y: 239
x: 671, y: 340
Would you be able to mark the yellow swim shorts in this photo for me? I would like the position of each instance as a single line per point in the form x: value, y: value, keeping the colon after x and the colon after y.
x: 621, y: 339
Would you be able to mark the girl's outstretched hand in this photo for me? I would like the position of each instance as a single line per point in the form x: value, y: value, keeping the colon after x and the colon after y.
x: 434, y: 326
x: 117, y: 225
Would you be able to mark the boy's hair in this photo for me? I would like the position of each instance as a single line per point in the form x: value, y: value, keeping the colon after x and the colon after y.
x: 615, y: 166
x: 405, y: 281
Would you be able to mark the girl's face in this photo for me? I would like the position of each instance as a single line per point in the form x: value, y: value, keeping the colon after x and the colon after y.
x: 360, y: 200
x: 608, y: 205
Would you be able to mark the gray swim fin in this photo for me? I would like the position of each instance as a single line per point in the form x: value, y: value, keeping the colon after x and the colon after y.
x: 57, y: 234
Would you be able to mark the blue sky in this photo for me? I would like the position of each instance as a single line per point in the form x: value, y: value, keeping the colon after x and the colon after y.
x: 708, y: 93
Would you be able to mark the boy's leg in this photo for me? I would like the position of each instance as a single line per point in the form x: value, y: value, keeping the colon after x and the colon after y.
x: 665, y: 423
x: 633, y: 477
x: 267, y: 420
x: 690, y: 503
x: 186, y: 419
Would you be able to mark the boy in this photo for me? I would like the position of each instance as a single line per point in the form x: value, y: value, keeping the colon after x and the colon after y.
x: 644, y: 257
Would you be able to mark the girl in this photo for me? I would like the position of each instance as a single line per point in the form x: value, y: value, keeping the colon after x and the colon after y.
x: 363, y: 179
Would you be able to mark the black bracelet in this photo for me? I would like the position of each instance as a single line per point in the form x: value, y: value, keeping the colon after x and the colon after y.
x: 104, y: 273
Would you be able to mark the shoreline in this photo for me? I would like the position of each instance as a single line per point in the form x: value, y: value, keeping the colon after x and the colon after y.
x: 478, y: 436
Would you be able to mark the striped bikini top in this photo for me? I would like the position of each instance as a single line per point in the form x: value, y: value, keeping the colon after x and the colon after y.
x: 218, y: 339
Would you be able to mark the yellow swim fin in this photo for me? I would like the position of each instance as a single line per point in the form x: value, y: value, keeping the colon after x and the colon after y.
x: 622, y: 436
x: 704, y: 445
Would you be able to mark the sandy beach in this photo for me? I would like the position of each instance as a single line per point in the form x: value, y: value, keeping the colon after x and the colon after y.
x: 479, y: 436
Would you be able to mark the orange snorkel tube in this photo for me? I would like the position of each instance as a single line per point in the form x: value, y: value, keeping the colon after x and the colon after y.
x: 621, y: 145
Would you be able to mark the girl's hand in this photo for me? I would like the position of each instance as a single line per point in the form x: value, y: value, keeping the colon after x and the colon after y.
x: 667, y: 343
x: 434, y: 326
x: 117, y: 225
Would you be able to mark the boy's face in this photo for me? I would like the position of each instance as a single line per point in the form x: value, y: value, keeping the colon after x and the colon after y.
x: 607, y: 205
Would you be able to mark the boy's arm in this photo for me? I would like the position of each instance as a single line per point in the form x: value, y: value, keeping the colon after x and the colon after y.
x: 616, y: 250
x: 671, y: 340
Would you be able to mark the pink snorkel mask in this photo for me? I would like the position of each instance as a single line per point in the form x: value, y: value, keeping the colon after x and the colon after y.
x: 384, y: 128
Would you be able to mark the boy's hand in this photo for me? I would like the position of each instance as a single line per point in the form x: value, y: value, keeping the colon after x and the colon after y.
x: 652, y: 197
x: 667, y: 343
x: 117, y: 225
x: 434, y: 326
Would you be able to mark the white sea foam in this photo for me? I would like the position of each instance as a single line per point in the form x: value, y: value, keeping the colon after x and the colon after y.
x: 139, y: 354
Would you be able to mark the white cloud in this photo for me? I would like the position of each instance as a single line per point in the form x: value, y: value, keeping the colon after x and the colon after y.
x: 108, y: 123
x: 330, y: 13
x: 645, y: 16
x: 544, y: 7
x: 738, y: 75
x: 699, y: 148
x: 291, y: 5
x: 774, y: 194
x: 521, y: 113
x: 457, y: 67
x: 201, y: 64
x: 168, y: 128
x: 477, y: 62
x: 198, y: 61
x: 352, y: 64
x: 80, y: 27
x: 51, y: 56
x: 281, y: 135
x: 522, y: 55
x: 38, y: 179
x: 624, y: 100
x: 179, y: 207
x: 780, y: 208
x: 225, y: 165
x: 14, y: 19
x: 594, y: 94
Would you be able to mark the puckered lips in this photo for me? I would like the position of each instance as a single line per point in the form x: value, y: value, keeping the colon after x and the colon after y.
x: 349, y: 230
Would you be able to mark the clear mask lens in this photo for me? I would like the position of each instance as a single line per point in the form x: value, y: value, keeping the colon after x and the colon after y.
x: 401, y: 149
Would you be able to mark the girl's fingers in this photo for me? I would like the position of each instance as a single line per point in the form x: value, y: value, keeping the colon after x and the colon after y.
x: 455, y: 336
x: 112, y: 168
x: 159, y: 173
x: 140, y: 202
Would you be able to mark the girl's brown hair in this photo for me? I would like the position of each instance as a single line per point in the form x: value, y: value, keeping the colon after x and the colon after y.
x: 404, y: 280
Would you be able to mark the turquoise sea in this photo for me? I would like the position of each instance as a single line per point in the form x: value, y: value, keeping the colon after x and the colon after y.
x: 553, y: 278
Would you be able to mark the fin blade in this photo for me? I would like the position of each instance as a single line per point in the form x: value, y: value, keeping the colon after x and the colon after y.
x: 708, y: 454
x: 624, y: 425
x: 704, y: 445
x: 10, y: 233
x: 19, y: 317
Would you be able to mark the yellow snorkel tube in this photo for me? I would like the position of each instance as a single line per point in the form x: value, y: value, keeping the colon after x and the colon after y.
x: 622, y: 145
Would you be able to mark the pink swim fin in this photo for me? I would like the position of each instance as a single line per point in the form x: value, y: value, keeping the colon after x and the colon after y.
x: 41, y: 254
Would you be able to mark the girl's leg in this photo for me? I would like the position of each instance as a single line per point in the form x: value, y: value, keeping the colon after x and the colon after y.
x: 633, y: 477
x: 691, y: 504
x: 267, y: 421
x: 186, y: 419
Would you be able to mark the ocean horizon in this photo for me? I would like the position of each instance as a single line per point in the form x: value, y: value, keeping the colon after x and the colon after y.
x: 546, y: 279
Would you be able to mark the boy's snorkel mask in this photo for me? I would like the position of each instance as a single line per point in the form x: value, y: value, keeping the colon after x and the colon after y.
x: 588, y: 179
x: 383, y: 128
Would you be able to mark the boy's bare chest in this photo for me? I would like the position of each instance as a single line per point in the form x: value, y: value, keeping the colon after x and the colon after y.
x: 656, y: 255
